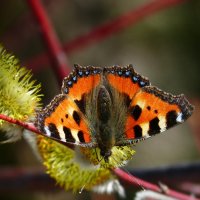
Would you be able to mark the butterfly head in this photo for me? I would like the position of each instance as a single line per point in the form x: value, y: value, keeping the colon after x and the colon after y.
x: 106, y: 154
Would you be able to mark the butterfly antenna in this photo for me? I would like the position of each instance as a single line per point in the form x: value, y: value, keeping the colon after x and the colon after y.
x: 97, y: 155
x: 81, y: 190
x: 101, y: 159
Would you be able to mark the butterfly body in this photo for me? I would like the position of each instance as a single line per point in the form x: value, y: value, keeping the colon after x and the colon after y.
x: 110, y: 106
x: 107, y: 117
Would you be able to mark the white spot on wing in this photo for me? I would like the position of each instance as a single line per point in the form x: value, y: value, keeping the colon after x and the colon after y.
x: 141, y: 104
x: 179, y: 118
x: 70, y: 110
x: 75, y: 134
x: 145, y: 129
x: 63, y: 139
x: 48, y: 133
x: 162, y: 123
x: 61, y: 133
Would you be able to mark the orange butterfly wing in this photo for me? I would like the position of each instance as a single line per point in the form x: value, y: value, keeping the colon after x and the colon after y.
x: 153, y: 111
x: 150, y: 110
x: 63, y: 119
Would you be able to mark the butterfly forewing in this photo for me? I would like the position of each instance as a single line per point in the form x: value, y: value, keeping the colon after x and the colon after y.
x: 64, y: 119
x: 125, y: 80
x: 81, y: 81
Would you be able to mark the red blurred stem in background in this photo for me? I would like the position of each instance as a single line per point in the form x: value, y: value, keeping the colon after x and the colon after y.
x: 147, y: 185
x: 57, y: 55
x: 120, y: 173
x: 110, y: 28
x: 120, y: 23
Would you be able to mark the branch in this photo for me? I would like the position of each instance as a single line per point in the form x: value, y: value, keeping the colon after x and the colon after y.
x: 105, y: 30
x: 120, y: 23
x: 59, y: 59
x: 120, y: 173
x: 147, y: 185
x: 28, y: 126
x: 18, y: 179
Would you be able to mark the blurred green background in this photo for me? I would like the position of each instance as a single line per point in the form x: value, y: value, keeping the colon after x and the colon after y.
x: 165, y: 47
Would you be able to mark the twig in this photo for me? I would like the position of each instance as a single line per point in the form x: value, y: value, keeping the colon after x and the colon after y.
x: 122, y: 22
x: 147, y: 185
x: 59, y: 59
x: 19, y: 179
x: 165, y: 174
x: 123, y: 175
x: 28, y: 126
x: 107, y: 29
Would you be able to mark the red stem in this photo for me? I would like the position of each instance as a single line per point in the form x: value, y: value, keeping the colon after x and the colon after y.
x: 28, y: 126
x: 129, y: 178
x: 120, y: 23
x: 120, y: 173
x: 110, y: 28
x: 59, y: 59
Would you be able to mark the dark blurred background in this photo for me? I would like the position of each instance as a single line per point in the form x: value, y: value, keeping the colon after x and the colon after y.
x: 165, y: 47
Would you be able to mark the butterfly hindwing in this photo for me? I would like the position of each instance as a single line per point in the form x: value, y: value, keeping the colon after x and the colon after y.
x: 63, y: 121
x: 152, y: 111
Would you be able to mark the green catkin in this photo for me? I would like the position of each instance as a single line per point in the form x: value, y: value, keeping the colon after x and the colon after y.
x: 19, y: 96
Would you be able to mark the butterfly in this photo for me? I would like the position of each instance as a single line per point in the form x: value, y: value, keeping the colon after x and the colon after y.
x: 103, y: 107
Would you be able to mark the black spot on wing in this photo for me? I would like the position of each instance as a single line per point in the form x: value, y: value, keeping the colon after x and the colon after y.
x: 171, y: 118
x: 127, y: 99
x: 81, y: 104
x: 54, y: 131
x: 136, y: 112
x: 81, y: 137
x: 68, y: 134
x: 154, y: 127
x: 148, y: 107
x: 138, y: 131
x: 76, y: 117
